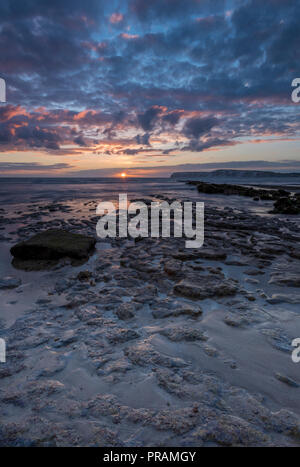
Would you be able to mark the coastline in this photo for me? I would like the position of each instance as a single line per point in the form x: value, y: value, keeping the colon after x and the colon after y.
x: 158, y: 344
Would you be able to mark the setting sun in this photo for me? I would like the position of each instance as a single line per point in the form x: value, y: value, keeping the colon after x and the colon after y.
x: 123, y: 175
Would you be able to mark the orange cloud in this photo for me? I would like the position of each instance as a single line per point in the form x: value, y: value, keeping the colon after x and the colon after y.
x: 13, y: 111
x: 83, y: 114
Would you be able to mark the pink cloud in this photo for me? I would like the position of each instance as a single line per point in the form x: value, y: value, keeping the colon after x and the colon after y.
x: 127, y: 36
x: 116, y: 18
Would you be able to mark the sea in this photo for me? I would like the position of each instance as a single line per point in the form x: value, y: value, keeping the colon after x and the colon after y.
x: 18, y: 191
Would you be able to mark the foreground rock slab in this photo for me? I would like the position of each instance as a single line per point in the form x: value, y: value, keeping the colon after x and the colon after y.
x: 206, y: 288
x: 54, y: 244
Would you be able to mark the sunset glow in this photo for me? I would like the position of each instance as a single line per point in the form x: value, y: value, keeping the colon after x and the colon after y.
x: 155, y: 88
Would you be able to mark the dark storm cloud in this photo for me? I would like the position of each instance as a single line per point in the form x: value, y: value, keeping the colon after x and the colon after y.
x: 199, y: 146
x: 80, y: 141
x: 143, y: 139
x: 81, y: 73
x: 158, y: 9
x: 38, y: 138
x: 147, y: 119
x: 62, y: 11
x: 171, y: 118
x: 44, y: 36
x: 196, y: 127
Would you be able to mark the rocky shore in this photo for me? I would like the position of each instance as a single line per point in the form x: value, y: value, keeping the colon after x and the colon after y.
x: 285, y: 201
x: 148, y: 343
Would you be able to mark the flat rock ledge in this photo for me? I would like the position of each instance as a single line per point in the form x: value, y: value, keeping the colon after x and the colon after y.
x: 206, y: 288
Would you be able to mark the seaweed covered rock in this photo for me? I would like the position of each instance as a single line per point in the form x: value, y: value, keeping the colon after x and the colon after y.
x: 239, y: 190
x: 287, y: 205
x: 54, y: 244
x: 285, y: 201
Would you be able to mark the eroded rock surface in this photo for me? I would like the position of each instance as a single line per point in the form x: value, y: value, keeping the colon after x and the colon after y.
x: 152, y: 344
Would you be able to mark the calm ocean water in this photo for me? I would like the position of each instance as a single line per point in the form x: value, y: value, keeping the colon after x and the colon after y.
x: 17, y: 191
x: 22, y: 190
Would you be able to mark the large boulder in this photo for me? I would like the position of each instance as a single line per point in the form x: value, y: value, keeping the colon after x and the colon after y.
x: 54, y: 244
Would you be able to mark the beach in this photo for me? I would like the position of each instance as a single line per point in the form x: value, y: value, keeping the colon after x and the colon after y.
x: 148, y: 343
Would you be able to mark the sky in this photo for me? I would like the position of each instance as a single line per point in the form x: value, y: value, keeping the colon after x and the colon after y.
x: 101, y: 87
